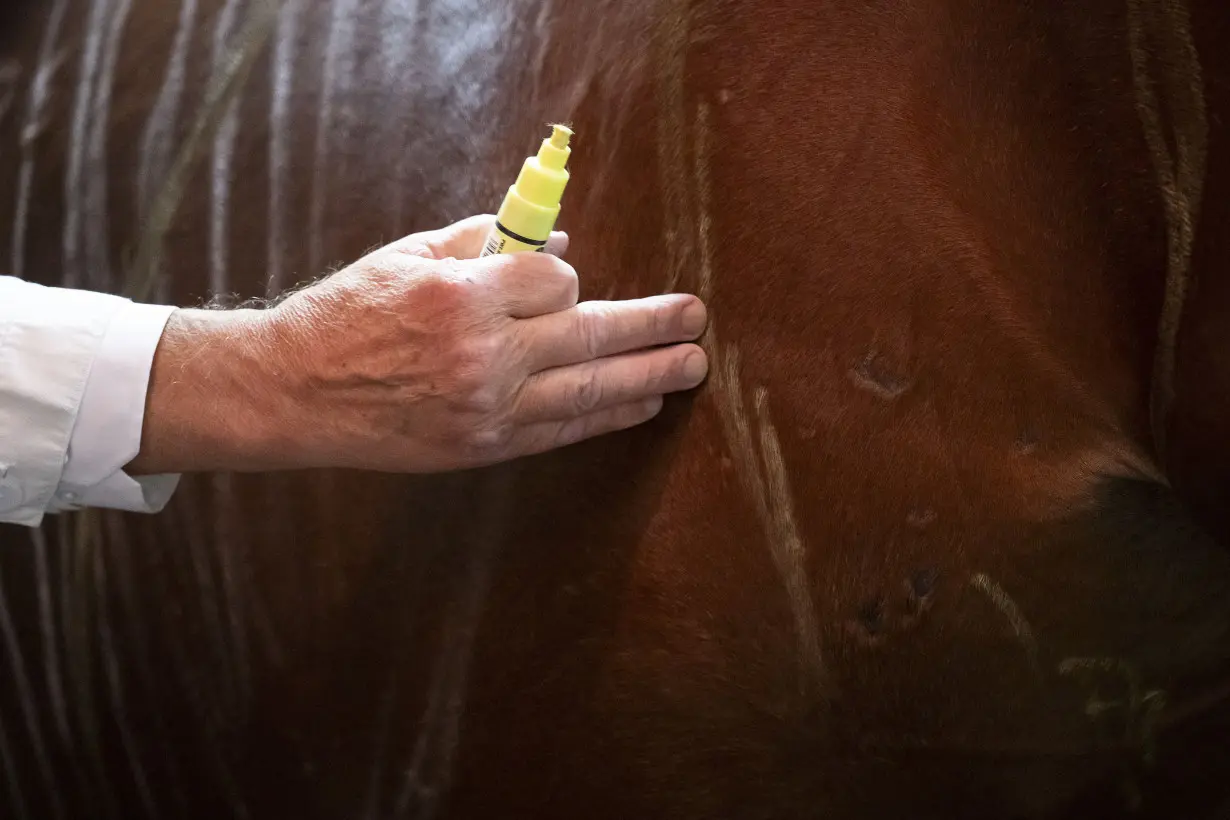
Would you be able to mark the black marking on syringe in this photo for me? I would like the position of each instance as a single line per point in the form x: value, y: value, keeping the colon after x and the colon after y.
x: 519, y: 237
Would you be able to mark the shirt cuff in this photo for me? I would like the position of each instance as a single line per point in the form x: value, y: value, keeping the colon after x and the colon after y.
x: 107, y: 433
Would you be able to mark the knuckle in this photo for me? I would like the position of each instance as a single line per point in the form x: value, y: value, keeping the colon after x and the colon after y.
x: 661, y: 374
x: 587, y: 394
x: 569, y: 283
x: 443, y: 290
x: 662, y: 320
x: 475, y: 376
x: 655, y: 373
x: 483, y: 399
x: 594, y: 330
x: 480, y: 355
x: 444, y: 243
x: 542, y: 268
x: 678, y: 372
x: 508, y: 265
x: 490, y: 441
x: 560, y: 271
x: 544, y: 264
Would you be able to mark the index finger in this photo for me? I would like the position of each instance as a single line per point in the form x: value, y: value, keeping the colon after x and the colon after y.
x: 594, y: 330
x: 526, y: 285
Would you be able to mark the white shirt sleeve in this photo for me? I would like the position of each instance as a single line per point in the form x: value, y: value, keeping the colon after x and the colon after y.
x: 74, y: 374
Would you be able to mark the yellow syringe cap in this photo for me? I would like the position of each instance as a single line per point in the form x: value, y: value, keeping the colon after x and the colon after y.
x: 543, y: 177
x: 533, y: 202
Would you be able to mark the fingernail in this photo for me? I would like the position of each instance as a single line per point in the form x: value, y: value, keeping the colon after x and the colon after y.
x: 695, y: 366
x: 694, y: 317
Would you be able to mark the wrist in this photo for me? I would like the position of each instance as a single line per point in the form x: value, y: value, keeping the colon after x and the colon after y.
x: 213, y: 401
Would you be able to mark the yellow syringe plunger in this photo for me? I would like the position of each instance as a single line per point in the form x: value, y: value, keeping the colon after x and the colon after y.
x: 527, y: 216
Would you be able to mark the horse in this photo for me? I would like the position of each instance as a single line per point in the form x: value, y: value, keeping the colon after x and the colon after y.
x: 938, y: 538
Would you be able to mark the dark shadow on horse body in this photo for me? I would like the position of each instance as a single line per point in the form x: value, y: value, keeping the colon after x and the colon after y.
x: 909, y: 553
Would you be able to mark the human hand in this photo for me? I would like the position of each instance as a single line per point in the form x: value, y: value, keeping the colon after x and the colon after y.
x: 421, y: 358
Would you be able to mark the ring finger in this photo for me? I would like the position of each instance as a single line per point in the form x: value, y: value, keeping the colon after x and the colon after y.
x: 578, y: 390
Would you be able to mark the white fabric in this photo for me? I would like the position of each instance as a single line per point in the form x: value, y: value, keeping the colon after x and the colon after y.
x: 74, y: 374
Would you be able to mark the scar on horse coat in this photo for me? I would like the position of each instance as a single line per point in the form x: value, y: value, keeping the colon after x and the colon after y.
x: 912, y: 551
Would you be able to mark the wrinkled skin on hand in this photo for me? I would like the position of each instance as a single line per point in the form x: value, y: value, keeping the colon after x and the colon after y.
x: 420, y: 357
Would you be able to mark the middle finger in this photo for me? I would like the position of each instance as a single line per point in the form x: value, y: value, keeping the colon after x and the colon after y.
x: 593, y: 330
x: 565, y: 393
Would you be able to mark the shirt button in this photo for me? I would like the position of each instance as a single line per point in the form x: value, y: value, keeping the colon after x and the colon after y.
x: 70, y: 496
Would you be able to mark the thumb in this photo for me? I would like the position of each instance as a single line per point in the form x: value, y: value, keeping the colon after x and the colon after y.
x: 465, y: 240
x: 461, y: 240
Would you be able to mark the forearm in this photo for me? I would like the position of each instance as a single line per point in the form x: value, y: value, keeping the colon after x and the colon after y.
x: 214, y: 399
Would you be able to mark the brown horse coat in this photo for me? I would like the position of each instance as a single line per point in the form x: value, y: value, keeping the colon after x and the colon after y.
x: 911, y: 552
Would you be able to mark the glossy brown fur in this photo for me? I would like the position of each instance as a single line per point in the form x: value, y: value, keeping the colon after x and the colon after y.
x: 885, y: 564
x: 1200, y: 432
